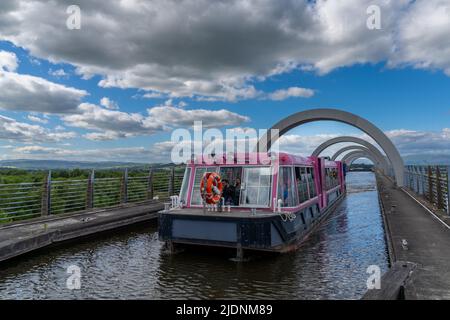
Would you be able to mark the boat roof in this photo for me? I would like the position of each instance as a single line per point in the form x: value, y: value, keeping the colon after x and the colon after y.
x: 255, y: 158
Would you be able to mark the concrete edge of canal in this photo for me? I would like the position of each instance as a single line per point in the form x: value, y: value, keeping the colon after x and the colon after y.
x: 21, y: 238
x: 418, y: 245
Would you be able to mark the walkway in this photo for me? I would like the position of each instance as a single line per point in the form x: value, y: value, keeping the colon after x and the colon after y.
x: 22, y: 237
x: 428, y: 243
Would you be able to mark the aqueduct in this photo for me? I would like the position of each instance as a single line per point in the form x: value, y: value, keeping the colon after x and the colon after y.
x: 368, y: 145
x: 303, y: 117
x: 379, y: 162
x: 355, y: 155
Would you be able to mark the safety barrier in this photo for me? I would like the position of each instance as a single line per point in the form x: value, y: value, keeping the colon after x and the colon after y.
x: 19, y: 201
x: 431, y: 182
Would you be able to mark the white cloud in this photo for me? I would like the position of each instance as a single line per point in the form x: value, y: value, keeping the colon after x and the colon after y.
x: 423, y: 36
x: 284, y: 94
x: 20, y: 92
x: 58, y: 73
x: 8, y: 61
x: 152, y: 95
x: 109, y: 104
x: 37, y: 119
x: 217, y: 50
x: 415, y: 146
x: 113, y: 124
x: 138, y: 154
x: 13, y: 130
x: 93, y: 117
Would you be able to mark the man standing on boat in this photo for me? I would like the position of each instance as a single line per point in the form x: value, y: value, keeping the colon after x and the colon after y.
x: 228, y: 192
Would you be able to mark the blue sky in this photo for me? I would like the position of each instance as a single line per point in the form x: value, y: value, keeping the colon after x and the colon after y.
x: 401, y: 87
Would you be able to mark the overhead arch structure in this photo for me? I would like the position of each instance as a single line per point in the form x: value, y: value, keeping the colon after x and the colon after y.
x: 379, y: 160
x: 355, y: 155
x: 368, y: 145
x: 302, y: 117
x: 351, y: 148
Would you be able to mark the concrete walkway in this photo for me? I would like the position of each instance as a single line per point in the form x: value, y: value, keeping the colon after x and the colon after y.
x: 26, y: 236
x: 428, y: 243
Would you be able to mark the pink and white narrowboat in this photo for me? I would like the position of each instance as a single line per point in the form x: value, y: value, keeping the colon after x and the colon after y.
x: 271, y: 204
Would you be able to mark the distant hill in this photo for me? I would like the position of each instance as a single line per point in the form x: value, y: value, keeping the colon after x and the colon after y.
x: 60, y: 164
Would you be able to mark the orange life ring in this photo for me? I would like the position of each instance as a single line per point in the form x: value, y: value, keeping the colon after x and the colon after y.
x: 211, y: 187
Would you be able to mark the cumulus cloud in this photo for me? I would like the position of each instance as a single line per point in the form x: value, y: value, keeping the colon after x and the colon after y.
x: 414, y: 142
x: 109, y: 104
x: 217, y: 50
x: 113, y: 124
x: 8, y: 61
x: 13, y: 130
x: 136, y: 154
x: 283, y: 94
x: 414, y: 146
x: 423, y: 36
x: 37, y: 119
x: 20, y: 92
x: 58, y: 73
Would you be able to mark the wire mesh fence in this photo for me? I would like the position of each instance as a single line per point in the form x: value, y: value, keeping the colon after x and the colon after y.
x: 20, y: 201
x: 431, y: 182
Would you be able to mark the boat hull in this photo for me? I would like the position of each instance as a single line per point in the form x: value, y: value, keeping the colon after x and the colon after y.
x: 264, y: 232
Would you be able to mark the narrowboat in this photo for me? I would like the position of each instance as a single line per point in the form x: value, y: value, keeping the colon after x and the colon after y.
x: 269, y: 203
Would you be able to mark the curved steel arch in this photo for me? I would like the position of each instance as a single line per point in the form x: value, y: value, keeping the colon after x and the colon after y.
x: 353, y: 156
x: 357, y: 140
x: 379, y: 162
x: 354, y: 147
x: 312, y: 115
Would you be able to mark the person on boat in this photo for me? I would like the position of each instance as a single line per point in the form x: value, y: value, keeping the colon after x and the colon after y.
x: 237, y: 191
x: 228, y: 192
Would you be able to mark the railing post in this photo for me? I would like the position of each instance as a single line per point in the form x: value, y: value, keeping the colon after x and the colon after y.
x: 448, y: 190
x: 150, y: 184
x: 46, y: 196
x: 125, y: 187
x: 90, y: 190
x: 417, y: 179
x: 172, y: 181
x: 440, y: 203
x: 430, y: 185
x: 423, y: 175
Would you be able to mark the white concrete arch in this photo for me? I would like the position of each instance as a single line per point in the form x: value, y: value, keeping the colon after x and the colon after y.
x: 353, y: 156
x: 368, y: 145
x: 299, y: 118
x: 378, y: 161
x: 350, y: 148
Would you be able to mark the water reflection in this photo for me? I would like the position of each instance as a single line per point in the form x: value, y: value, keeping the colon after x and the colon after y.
x: 331, y: 264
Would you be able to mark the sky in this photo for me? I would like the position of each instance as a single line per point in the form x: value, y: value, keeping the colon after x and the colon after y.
x: 115, y: 88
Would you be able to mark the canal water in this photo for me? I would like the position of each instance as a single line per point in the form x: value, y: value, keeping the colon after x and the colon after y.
x: 130, y: 264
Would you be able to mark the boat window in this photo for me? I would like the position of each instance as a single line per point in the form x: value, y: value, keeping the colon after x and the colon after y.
x: 185, y: 185
x: 286, y: 187
x: 255, y: 190
x: 311, y: 183
x: 231, y: 177
x: 302, y: 180
x: 199, y: 172
x: 331, y: 177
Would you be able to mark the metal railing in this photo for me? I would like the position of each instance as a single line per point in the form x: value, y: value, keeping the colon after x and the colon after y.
x: 431, y: 182
x: 19, y: 201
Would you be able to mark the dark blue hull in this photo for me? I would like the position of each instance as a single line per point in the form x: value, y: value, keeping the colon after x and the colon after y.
x: 267, y: 232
